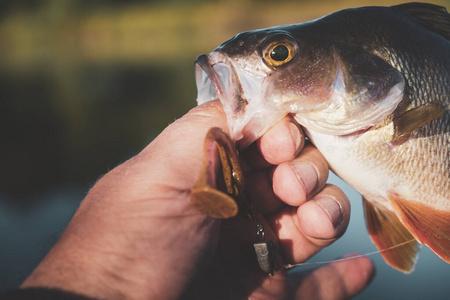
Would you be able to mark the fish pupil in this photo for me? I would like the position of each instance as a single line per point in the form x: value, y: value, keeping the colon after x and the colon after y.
x: 279, y: 53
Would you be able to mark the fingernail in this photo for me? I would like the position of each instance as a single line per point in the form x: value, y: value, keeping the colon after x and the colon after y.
x: 306, y: 174
x: 295, y: 133
x: 331, y: 207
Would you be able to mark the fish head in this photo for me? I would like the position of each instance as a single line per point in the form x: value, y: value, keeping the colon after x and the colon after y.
x: 330, y: 85
x: 235, y: 74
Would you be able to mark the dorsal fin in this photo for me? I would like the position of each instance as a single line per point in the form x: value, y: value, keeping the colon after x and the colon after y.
x: 433, y: 17
x: 386, y: 231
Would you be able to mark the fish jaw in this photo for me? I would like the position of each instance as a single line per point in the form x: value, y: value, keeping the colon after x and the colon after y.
x: 241, y: 95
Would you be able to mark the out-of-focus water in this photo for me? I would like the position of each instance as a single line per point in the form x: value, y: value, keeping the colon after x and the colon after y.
x: 27, y: 234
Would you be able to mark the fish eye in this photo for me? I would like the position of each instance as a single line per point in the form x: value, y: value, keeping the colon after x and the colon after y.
x: 279, y: 49
x: 279, y: 53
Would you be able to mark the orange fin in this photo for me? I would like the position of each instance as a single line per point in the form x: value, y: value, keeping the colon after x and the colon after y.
x: 386, y: 231
x: 429, y: 226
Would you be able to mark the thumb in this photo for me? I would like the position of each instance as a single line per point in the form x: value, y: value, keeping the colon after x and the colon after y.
x: 178, y: 150
x: 171, y: 162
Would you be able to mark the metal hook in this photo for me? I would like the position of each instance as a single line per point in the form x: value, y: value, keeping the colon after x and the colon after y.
x: 260, y: 231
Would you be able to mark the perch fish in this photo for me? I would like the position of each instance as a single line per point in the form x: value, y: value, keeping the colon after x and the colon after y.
x: 371, y: 87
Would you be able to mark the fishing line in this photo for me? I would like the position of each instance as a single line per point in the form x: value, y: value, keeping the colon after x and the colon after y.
x: 290, y: 266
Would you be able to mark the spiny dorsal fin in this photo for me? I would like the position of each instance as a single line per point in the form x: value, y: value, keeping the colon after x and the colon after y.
x: 386, y: 230
x: 433, y: 17
x: 428, y: 226
x: 416, y: 118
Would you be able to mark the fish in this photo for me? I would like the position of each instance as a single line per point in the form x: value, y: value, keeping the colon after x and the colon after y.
x: 371, y: 88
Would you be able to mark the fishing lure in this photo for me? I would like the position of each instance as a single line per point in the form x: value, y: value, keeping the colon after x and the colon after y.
x: 207, y: 197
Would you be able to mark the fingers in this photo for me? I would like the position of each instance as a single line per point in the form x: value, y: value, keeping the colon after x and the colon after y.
x: 279, y: 144
x: 339, y: 280
x: 297, y: 180
x: 325, y: 217
x: 292, y: 182
x: 282, y: 142
x: 304, y: 212
x: 304, y: 230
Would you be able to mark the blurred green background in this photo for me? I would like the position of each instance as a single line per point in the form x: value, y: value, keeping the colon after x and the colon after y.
x: 85, y: 84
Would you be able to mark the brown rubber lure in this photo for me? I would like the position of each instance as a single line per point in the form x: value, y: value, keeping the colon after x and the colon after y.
x: 221, y: 153
x: 205, y: 194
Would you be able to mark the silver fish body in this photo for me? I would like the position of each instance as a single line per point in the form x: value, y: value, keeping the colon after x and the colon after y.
x: 371, y: 87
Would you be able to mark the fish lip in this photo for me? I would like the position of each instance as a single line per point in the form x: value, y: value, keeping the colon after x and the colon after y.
x: 203, y: 61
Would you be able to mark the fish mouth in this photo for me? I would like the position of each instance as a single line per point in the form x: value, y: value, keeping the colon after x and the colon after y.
x: 240, y: 93
x: 216, y: 78
x: 219, y: 80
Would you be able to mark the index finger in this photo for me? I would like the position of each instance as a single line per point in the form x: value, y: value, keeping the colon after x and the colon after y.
x: 279, y: 144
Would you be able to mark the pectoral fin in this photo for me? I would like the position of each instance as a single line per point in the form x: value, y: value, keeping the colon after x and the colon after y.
x: 428, y: 226
x: 416, y: 118
x: 386, y: 231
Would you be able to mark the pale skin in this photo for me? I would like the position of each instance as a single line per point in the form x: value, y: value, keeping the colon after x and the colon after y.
x: 137, y: 236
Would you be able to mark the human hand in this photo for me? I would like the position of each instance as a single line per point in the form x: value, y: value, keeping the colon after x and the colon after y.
x: 137, y: 236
